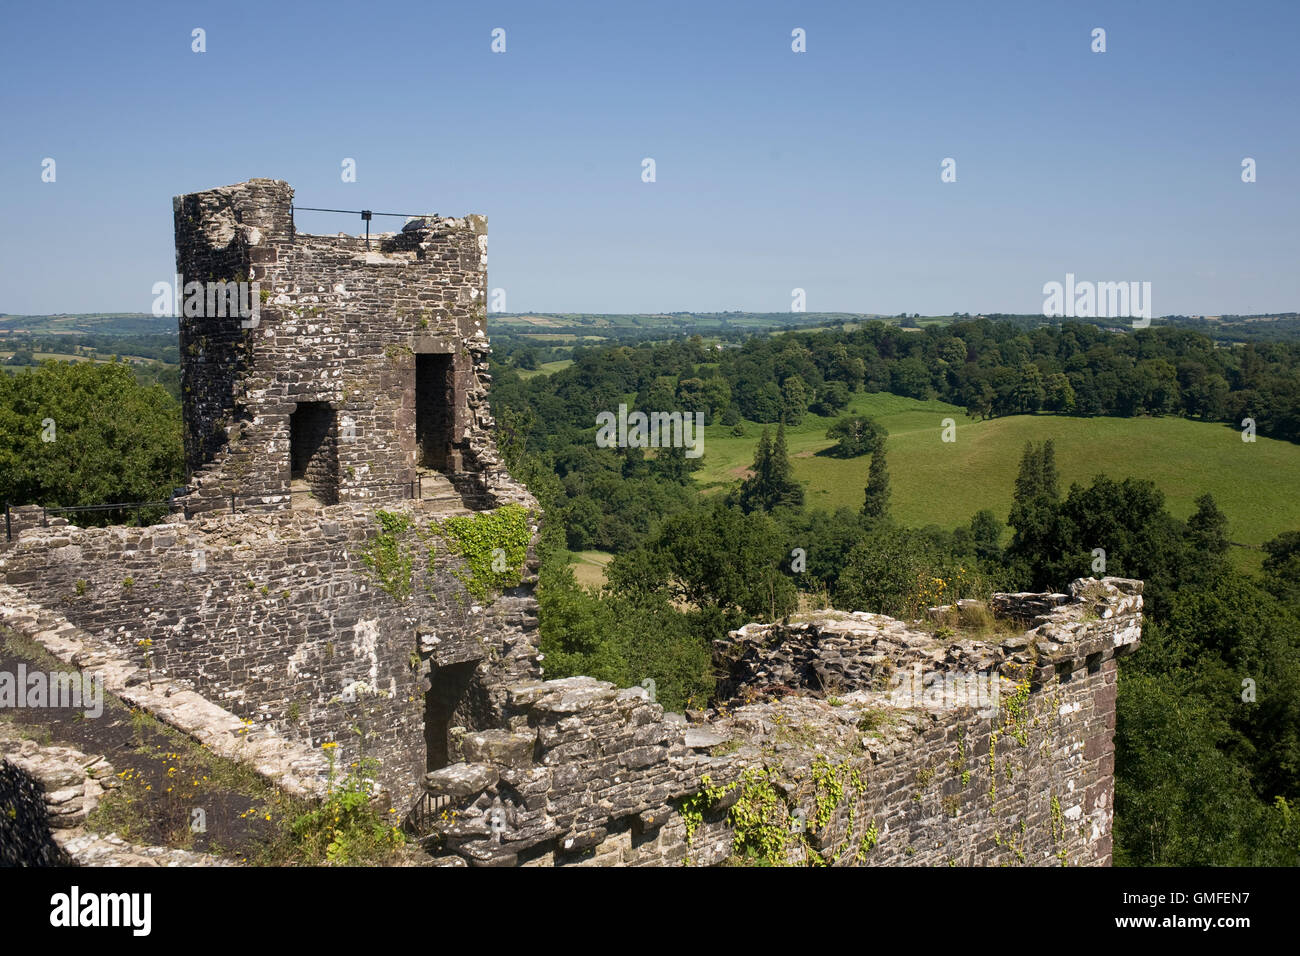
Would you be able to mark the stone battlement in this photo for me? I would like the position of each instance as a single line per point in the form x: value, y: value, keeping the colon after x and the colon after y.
x: 585, y: 773
x: 364, y: 367
x: 278, y: 617
x: 838, y: 650
x: 337, y: 428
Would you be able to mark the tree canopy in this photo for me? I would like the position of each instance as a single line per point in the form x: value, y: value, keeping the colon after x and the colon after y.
x: 77, y: 433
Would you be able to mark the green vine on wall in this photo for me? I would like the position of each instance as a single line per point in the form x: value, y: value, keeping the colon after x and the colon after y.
x: 1058, y: 829
x: 694, y: 807
x: 386, y: 556
x: 760, y: 820
x: 767, y: 830
x: 993, y: 771
x: 958, y: 765
x: 1018, y: 848
x: 868, y: 842
x: 1016, y: 721
x: 493, y: 545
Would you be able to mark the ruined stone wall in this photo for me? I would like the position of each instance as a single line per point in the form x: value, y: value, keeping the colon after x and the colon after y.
x: 25, y: 838
x: 339, y: 324
x: 856, y: 773
x: 276, y: 617
x: 815, y: 756
x: 292, y: 619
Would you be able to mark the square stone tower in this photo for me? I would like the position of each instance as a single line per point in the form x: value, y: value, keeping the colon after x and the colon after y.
x: 355, y: 370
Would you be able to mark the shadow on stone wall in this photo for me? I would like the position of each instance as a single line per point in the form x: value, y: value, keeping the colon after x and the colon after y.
x: 25, y: 835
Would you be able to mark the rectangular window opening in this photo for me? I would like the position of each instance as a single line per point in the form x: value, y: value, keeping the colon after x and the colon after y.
x: 313, y: 452
x: 434, y: 410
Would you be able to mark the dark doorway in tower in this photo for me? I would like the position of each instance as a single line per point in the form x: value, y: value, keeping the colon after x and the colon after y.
x: 449, y: 703
x: 313, y: 452
x: 434, y: 395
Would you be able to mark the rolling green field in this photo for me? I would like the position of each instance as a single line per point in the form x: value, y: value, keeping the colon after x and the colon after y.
x: 70, y: 357
x: 668, y: 323
x: 559, y: 338
x: 1256, y: 485
x: 546, y: 368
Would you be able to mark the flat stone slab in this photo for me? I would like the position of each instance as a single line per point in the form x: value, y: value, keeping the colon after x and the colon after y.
x: 566, y: 696
x: 499, y: 747
x: 701, y: 738
x: 460, y: 780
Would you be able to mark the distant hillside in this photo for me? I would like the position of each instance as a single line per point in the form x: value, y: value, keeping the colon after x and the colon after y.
x: 1278, y: 327
x: 1271, y: 327
x: 571, y: 327
x: 93, y: 323
x: 610, y: 325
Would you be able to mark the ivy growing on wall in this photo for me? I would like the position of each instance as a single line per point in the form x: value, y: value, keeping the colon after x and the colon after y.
x: 386, y: 556
x: 493, y: 545
x: 769, y: 830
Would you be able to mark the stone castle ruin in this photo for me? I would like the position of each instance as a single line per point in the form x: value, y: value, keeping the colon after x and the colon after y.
x: 364, y: 376
x: 351, y: 563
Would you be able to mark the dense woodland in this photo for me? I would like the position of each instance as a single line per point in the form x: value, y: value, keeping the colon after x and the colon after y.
x: 989, y: 368
x: 1204, y: 775
x: 1208, y: 736
x: 81, y: 433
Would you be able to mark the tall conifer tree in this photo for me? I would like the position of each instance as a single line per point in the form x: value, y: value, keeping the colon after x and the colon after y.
x: 876, y: 505
x: 771, y: 485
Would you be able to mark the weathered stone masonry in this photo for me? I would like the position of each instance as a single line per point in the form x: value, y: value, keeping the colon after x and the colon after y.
x: 362, y: 381
x: 367, y: 361
x: 274, y: 617
x: 833, y: 770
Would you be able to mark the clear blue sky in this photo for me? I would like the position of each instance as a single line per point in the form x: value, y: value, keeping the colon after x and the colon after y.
x: 775, y: 170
